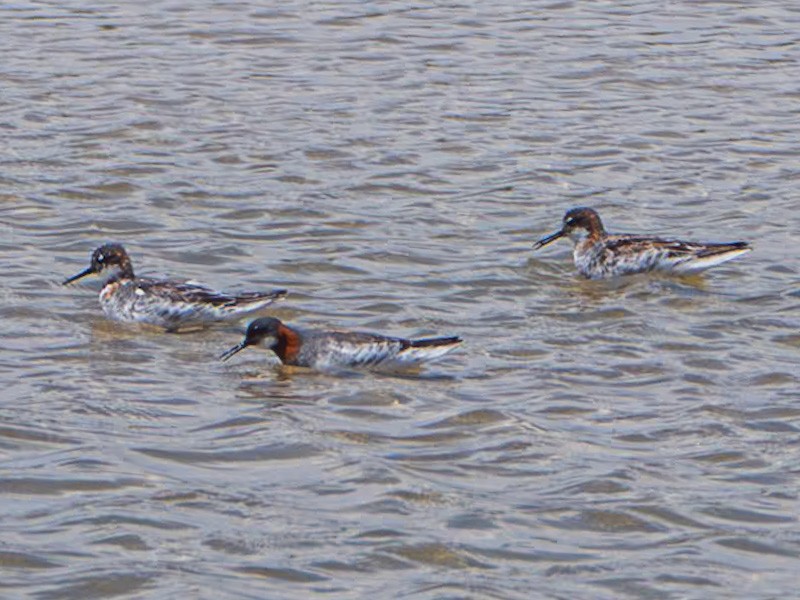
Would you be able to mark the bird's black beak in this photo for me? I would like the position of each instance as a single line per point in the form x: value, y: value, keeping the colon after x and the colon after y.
x: 84, y: 273
x: 231, y: 351
x: 549, y: 239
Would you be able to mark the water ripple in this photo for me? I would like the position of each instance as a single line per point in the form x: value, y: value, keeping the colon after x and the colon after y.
x: 391, y: 165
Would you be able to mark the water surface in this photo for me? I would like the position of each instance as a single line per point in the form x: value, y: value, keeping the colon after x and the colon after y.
x: 391, y: 164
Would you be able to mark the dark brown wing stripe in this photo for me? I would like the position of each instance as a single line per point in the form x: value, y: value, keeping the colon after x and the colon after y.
x: 428, y: 342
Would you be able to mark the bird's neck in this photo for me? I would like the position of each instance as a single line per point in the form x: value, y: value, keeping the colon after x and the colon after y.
x: 287, y: 346
x: 586, y: 236
x: 120, y: 272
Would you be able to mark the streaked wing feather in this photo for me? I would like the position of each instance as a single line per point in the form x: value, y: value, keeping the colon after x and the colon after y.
x: 184, y: 292
x: 634, y: 254
x: 200, y: 294
x: 356, y: 349
x: 633, y: 244
x: 637, y: 244
x: 360, y: 349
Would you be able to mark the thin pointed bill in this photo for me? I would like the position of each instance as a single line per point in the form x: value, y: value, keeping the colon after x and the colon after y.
x: 231, y: 351
x: 82, y: 274
x: 545, y: 241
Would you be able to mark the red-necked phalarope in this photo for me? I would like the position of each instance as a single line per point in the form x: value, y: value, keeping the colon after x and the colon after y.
x: 165, y: 303
x: 599, y: 254
x: 339, y: 349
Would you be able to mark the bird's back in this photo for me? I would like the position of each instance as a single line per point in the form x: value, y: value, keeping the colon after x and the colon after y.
x: 624, y: 254
x: 169, y: 303
x: 359, y: 349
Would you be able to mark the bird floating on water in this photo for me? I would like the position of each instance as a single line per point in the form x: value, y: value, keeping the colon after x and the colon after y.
x: 164, y: 302
x: 599, y: 254
x: 324, y: 350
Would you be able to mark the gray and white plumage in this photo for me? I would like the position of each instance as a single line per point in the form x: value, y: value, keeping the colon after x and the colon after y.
x: 164, y: 302
x: 332, y: 349
x: 598, y: 254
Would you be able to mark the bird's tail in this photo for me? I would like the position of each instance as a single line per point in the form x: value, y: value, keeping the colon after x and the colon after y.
x: 243, y: 298
x: 429, y: 348
x: 714, y: 254
x: 725, y: 248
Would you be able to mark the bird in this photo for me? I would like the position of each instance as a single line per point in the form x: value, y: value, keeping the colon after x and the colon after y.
x: 335, y: 349
x: 164, y: 302
x: 598, y: 254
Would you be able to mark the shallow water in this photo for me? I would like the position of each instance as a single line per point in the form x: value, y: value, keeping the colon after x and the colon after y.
x: 391, y: 164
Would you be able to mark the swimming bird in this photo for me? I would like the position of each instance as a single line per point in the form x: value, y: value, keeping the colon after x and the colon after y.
x: 599, y: 254
x: 164, y: 302
x: 323, y: 350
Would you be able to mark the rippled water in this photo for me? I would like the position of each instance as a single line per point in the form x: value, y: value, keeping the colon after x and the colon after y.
x: 391, y: 164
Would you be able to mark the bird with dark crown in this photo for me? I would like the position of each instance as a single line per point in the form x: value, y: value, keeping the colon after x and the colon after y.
x: 598, y: 254
x: 332, y: 349
x: 165, y: 302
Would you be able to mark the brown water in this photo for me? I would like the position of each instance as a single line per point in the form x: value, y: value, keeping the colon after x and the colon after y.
x: 391, y: 164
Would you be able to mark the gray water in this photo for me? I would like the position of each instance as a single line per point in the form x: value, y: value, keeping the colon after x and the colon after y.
x: 391, y: 163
